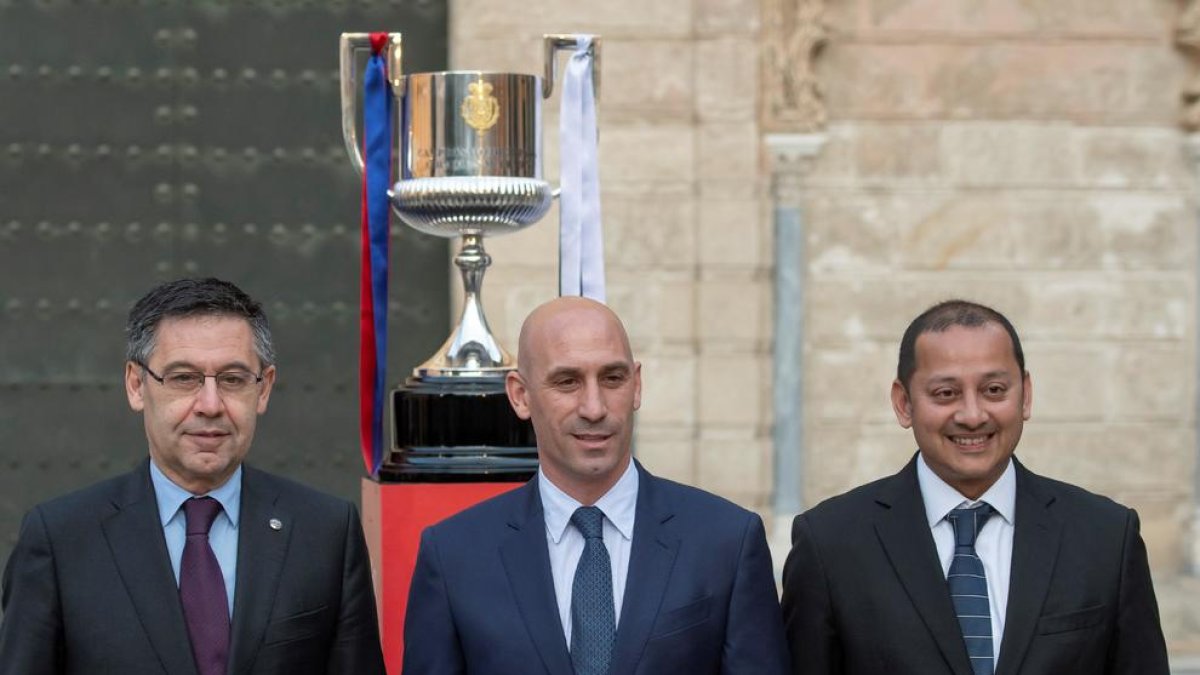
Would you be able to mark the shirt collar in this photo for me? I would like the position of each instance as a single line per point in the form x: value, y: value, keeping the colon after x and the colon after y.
x: 619, y: 504
x: 170, y: 496
x: 940, y: 498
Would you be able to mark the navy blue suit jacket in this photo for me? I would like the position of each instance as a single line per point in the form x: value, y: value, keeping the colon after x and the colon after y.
x: 89, y: 588
x: 700, y: 596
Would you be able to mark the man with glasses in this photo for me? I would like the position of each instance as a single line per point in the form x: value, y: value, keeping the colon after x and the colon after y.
x: 194, y: 563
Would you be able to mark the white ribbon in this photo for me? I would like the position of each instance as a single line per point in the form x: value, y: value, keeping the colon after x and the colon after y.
x: 581, y: 242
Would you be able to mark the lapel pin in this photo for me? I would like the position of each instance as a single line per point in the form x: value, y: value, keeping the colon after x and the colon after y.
x: 276, y: 524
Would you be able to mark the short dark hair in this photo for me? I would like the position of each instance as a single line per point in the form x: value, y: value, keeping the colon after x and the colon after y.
x: 941, y: 317
x: 190, y: 298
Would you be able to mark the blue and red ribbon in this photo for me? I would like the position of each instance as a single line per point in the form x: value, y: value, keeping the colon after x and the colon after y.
x: 376, y: 228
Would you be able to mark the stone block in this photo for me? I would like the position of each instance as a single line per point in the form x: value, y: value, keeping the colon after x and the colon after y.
x: 838, y: 458
x: 666, y: 455
x: 1110, y: 457
x: 1163, y: 519
x: 669, y: 389
x: 1134, y: 158
x: 727, y: 150
x: 1084, y: 81
x: 714, y: 18
x: 733, y: 390
x: 1010, y: 154
x: 1052, y: 233
x: 1145, y: 231
x: 967, y: 230
x: 619, y: 18
x: 1157, y: 383
x: 727, y: 81
x: 899, y: 153
x: 845, y: 308
x: 733, y: 234
x: 1087, y: 306
x: 642, y: 232
x: 1072, y: 382
x: 656, y: 311
x: 640, y: 159
x: 850, y: 384
x: 737, y: 310
x: 986, y: 18
x: 647, y: 79
x: 734, y: 469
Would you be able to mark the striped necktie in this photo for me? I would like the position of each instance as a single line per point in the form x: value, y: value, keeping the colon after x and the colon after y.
x: 968, y: 587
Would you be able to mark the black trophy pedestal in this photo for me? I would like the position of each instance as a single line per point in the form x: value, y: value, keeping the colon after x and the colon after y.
x: 457, y: 431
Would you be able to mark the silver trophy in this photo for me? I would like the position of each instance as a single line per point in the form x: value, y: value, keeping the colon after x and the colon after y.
x: 469, y: 153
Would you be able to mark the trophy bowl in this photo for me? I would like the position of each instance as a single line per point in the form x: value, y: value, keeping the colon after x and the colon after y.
x: 467, y: 155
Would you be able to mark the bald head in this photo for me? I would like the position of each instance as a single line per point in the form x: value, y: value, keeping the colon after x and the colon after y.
x: 577, y: 381
x: 550, y: 319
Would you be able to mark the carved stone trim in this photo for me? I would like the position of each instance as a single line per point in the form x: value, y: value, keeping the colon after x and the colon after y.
x: 793, y: 33
x: 1187, y: 38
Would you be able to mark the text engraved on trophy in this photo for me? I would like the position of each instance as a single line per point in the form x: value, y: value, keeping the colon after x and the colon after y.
x: 448, y: 161
x: 480, y: 109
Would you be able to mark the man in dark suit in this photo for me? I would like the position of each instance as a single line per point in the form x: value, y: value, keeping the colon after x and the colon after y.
x: 595, y: 566
x: 192, y: 564
x: 966, y: 562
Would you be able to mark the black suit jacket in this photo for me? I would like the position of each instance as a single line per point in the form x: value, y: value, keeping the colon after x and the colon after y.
x: 89, y: 588
x: 699, y: 598
x: 864, y: 593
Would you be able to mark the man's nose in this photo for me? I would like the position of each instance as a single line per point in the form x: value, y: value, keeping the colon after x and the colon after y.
x: 971, y: 412
x: 591, y: 405
x: 208, y: 399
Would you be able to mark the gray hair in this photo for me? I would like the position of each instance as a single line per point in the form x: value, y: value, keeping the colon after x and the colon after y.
x: 190, y: 298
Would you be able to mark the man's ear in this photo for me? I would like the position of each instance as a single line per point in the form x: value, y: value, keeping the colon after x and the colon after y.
x: 134, y: 382
x: 901, y: 404
x: 514, y: 386
x: 264, y: 392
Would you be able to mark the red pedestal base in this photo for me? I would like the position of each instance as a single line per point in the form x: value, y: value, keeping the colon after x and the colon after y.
x: 394, y: 514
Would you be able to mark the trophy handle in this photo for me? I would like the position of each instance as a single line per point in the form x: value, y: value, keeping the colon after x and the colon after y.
x: 555, y: 42
x: 349, y: 45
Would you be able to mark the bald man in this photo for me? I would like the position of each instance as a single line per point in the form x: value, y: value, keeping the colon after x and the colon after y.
x: 595, y: 566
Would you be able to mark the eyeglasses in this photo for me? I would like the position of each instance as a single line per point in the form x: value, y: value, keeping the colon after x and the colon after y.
x: 191, y: 381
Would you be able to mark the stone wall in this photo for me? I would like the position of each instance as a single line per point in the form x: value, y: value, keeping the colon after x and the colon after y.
x: 687, y: 234
x: 1029, y: 154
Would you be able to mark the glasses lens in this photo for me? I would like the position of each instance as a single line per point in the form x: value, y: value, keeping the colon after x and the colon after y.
x: 183, y: 380
x: 234, y: 380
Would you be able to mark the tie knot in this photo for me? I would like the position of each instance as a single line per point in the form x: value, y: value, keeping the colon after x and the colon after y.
x: 200, y: 513
x: 590, y: 521
x: 967, y: 522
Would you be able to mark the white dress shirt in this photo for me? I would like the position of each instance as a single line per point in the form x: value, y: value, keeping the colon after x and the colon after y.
x: 565, y: 542
x: 994, y: 542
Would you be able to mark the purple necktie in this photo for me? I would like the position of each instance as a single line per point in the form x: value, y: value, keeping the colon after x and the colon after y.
x: 202, y: 590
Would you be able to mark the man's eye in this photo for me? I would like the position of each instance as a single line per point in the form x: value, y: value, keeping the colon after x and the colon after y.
x: 996, y: 390
x: 233, y: 379
x: 183, y: 379
x: 944, y: 394
x: 614, y: 380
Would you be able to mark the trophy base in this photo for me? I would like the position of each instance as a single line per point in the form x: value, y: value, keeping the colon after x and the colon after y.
x: 457, y: 431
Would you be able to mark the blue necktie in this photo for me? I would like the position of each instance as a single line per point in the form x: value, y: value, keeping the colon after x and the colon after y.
x: 593, y: 619
x: 968, y: 587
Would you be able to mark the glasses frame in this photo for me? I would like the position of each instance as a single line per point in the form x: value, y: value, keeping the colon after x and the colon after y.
x: 161, y: 379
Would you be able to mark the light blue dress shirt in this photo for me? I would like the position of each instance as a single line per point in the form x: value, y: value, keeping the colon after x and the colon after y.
x: 565, y: 543
x: 223, y: 537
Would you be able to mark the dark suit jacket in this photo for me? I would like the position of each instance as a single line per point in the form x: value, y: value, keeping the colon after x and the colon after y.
x: 863, y: 591
x: 89, y: 588
x: 700, y: 596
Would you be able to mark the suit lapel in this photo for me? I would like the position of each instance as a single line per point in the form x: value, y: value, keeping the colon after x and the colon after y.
x: 903, y: 530
x: 139, y: 549
x: 651, y: 558
x: 1036, y: 540
x: 526, y: 561
x: 261, y: 552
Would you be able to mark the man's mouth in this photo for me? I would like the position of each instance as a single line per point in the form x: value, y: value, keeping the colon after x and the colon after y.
x: 970, y: 441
